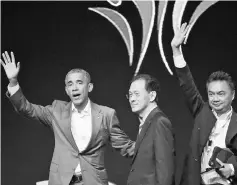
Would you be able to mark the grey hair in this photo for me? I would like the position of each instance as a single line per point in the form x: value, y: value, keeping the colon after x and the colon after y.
x: 78, y: 70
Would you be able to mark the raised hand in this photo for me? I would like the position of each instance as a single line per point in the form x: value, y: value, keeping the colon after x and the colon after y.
x: 179, y: 36
x: 10, y: 66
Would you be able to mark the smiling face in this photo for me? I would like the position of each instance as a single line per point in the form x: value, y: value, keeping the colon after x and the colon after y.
x: 220, y: 96
x: 77, y: 88
x: 139, y: 97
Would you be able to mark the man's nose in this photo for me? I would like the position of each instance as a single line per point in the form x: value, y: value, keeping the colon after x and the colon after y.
x: 75, y: 87
x: 216, y: 98
x: 132, y: 99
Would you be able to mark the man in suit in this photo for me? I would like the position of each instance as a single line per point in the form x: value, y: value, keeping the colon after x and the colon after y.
x: 153, y: 160
x: 81, y: 128
x: 215, y: 121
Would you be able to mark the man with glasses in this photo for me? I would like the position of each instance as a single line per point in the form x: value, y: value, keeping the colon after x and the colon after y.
x: 153, y: 160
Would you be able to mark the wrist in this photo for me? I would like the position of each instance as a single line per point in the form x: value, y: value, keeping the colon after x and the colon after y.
x: 176, y: 51
x: 13, y: 82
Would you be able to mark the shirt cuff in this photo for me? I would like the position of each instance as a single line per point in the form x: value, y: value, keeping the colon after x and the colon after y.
x: 13, y: 90
x: 179, y: 61
x: 233, y: 169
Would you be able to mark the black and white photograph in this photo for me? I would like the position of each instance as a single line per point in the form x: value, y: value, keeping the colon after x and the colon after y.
x: 118, y: 92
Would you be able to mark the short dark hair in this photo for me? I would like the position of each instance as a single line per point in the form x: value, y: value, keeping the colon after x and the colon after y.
x: 78, y: 70
x: 221, y: 76
x: 151, y: 83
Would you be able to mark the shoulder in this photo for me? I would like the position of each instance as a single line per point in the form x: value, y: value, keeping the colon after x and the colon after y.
x: 234, y: 113
x: 161, y: 117
x: 205, y: 109
x: 103, y: 109
x: 162, y: 127
x: 161, y: 121
x: 60, y: 105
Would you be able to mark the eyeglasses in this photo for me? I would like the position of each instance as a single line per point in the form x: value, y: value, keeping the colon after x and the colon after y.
x: 130, y: 95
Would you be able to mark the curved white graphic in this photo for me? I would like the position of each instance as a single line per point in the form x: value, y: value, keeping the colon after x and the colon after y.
x: 122, y: 25
x: 160, y: 20
x: 147, y: 12
x: 177, y: 14
x: 202, y: 7
x: 115, y: 3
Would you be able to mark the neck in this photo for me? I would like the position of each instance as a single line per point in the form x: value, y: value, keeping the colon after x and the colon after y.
x: 81, y: 106
x: 219, y: 113
x: 147, y: 109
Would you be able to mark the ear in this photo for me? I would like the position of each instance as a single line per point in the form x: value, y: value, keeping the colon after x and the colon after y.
x: 233, y: 95
x: 90, y: 87
x: 153, y: 95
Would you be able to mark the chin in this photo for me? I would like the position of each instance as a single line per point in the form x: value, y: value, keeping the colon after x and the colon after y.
x: 77, y: 102
x: 134, y: 110
x: 220, y: 110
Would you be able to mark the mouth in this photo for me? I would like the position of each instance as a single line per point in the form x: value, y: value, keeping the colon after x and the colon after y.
x: 216, y: 105
x: 133, y: 105
x: 76, y: 95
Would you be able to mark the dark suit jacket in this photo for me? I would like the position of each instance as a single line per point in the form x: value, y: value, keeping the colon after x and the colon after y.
x: 105, y: 128
x: 153, y: 161
x: 204, y: 122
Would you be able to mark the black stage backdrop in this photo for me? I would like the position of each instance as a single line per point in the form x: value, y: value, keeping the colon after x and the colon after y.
x: 50, y: 38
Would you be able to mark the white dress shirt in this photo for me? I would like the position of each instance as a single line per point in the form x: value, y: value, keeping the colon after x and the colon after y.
x: 216, y: 138
x: 179, y: 61
x: 81, y: 125
x: 12, y: 90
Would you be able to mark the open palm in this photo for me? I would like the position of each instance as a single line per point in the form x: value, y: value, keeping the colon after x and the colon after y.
x: 10, y: 66
x: 179, y: 36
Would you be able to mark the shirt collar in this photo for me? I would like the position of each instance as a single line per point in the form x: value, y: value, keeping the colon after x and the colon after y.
x: 85, y: 111
x: 223, y: 116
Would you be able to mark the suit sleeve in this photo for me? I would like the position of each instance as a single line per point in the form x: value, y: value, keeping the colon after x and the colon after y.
x: 233, y: 159
x: 119, y: 140
x: 234, y: 163
x: 30, y: 110
x: 164, y: 152
x: 193, y: 98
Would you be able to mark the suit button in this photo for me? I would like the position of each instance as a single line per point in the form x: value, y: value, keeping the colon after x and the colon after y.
x: 131, y: 170
x: 195, y: 159
x: 198, y: 128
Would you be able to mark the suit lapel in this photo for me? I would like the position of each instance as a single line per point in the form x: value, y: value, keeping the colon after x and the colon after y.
x: 144, y: 130
x: 232, y: 130
x: 66, y: 120
x: 206, y: 128
x: 96, y: 120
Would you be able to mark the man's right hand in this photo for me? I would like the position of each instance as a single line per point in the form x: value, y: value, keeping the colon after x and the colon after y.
x: 10, y: 68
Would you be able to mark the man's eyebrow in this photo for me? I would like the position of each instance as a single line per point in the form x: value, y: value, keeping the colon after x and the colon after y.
x: 79, y: 81
x: 216, y: 92
x: 133, y: 91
